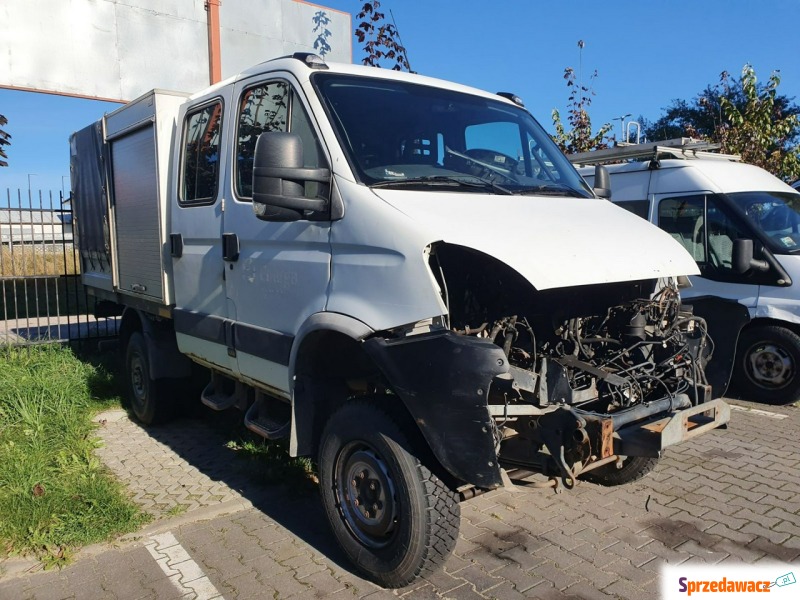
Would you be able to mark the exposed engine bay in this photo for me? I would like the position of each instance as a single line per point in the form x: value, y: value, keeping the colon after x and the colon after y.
x: 583, y: 362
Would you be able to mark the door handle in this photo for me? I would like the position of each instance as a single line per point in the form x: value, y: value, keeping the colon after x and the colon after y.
x: 176, y: 245
x: 230, y: 247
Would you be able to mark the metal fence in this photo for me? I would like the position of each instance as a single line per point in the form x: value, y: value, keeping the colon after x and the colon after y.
x: 43, y: 300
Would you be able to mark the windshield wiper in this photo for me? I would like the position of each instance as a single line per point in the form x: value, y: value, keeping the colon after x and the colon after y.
x: 446, y: 180
x: 550, y: 189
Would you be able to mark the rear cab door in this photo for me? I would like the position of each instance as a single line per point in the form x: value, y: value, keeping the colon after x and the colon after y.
x: 201, y: 313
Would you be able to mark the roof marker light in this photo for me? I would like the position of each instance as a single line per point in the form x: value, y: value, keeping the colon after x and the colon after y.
x: 513, y: 97
x: 313, y: 61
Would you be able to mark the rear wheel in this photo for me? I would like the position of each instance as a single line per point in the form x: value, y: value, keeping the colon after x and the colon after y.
x: 631, y: 469
x: 767, y: 362
x: 144, y: 394
x: 392, y: 516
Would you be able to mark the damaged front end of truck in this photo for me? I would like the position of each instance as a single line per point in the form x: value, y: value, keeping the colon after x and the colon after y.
x: 592, y: 380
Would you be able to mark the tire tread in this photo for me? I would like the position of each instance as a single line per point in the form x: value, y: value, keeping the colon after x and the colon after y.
x: 443, y: 512
x: 633, y: 469
x: 444, y: 520
x: 752, y: 391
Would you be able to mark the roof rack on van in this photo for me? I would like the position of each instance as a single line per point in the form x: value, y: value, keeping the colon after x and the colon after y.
x: 676, y: 148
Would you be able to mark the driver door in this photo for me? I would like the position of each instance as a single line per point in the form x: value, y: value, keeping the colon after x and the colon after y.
x: 279, y: 274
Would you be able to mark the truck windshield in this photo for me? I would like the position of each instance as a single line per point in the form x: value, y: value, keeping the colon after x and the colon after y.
x: 775, y: 214
x: 410, y: 136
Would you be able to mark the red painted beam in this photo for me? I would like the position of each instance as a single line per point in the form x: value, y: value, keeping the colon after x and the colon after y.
x: 214, y: 50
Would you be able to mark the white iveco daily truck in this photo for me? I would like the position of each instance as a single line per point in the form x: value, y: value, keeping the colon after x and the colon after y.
x: 403, y: 276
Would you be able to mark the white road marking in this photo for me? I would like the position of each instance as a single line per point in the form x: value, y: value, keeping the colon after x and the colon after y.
x: 761, y: 413
x: 185, y: 574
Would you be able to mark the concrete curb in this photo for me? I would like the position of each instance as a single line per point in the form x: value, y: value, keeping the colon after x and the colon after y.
x: 201, y: 514
x: 21, y: 566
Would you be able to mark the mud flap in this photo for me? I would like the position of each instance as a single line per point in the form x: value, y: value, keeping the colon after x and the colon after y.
x: 725, y: 320
x: 443, y: 380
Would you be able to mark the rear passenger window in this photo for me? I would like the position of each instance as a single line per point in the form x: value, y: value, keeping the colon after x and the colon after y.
x: 200, y: 170
x: 641, y: 208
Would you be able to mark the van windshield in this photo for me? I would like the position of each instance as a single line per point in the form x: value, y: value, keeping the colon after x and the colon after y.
x: 404, y: 135
x: 775, y: 214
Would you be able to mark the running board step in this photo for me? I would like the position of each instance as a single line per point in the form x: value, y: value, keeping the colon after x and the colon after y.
x: 269, y: 417
x: 214, y: 395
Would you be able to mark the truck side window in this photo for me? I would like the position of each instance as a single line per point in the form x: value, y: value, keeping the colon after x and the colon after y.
x: 706, y: 230
x: 266, y: 107
x: 541, y: 165
x: 201, y: 137
x: 721, y: 230
x: 262, y: 108
x: 683, y: 218
x: 312, y: 152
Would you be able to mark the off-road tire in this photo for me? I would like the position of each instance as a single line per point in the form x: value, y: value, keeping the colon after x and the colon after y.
x: 415, y: 529
x: 633, y: 469
x: 778, y: 354
x: 145, y: 396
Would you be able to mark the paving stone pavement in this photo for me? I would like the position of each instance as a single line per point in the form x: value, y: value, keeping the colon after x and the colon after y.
x: 178, y: 468
x: 730, y: 496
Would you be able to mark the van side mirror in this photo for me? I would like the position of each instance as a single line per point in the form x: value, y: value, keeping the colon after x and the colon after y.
x: 279, y: 179
x: 742, y: 258
x: 602, y: 182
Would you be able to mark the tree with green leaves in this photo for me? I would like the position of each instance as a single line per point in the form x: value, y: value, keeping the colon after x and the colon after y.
x: 381, y: 40
x: 757, y: 131
x: 580, y: 137
x: 743, y: 115
x: 5, y: 140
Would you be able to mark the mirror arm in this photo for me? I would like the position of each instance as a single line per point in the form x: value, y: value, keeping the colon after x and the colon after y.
x: 298, y: 174
x: 290, y: 202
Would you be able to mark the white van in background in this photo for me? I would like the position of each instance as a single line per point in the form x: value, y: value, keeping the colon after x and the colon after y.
x: 742, y: 226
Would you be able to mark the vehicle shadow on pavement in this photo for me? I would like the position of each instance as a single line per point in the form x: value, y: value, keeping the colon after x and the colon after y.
x: 205, y: 460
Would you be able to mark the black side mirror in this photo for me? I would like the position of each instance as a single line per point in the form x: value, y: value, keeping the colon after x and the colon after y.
x: 602, y: 182
x: 742, y: 258
x: 279, y: 179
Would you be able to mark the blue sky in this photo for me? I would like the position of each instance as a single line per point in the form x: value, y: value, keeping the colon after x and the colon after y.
x: 646, y: 54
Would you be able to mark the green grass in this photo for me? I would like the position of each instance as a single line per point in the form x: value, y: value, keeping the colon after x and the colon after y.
x: 269, y: 461
x: 55, y: 495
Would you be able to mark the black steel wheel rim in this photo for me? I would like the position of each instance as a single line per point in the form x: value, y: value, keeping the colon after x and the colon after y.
x: 365, y: 495
x: 138, y: 375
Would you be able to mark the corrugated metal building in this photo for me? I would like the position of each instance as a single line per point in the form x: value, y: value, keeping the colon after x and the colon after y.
x: 35, y: 226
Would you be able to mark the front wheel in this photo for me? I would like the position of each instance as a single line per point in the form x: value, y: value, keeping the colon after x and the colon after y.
x: 767, y: 362
x: 392, y: 516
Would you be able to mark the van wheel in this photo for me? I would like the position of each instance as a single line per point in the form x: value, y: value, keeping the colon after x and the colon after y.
x: 633, y: 468
x: 144, y: 394
x: 767, y: 361
x: 391, y: 515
